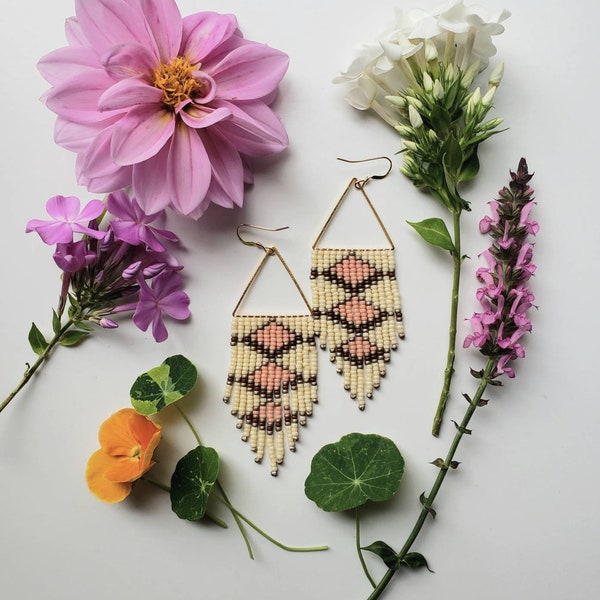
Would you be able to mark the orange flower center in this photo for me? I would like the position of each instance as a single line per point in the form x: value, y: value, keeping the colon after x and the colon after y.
x: 177, y: 82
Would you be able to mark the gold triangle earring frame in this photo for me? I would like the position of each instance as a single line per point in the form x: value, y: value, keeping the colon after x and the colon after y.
x: 272, y: 379
x: 356, y: 303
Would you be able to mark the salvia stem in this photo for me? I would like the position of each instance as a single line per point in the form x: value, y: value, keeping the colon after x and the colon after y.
x: 449, y: 370
x: 427, y: 501
x: 37, y: 364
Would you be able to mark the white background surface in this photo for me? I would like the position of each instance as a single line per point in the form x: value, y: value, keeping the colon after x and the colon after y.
x: 519, y: 519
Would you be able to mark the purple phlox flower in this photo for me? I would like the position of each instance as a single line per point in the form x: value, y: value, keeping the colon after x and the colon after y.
x: 132, y: 270
x: 74, y: 256
x: 171, y: 106
x: 107, y: 323
x: 164, y: 297
x: 132, y: 224
x: 67, y: 218
x: 154, y: 269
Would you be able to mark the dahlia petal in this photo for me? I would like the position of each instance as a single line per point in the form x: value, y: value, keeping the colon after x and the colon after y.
x: 165, y: 23
x: 249, y: 72
x: 76, y: 99
x: 64, y: 63
x: 227, y: 181
x: 97, y: 161
x: 128, y: 93
x: 141, y: 133
x: 198, y: 116
x: 109, y: 22
x: 104, y: 183
x: 129, y: 60
x: 74, y: 33
x: 77, y: 137
x: 150, y: 182
x: 254, y: 129
x: 188, y: 169
x: 200, y: 209
x: 203, y: 32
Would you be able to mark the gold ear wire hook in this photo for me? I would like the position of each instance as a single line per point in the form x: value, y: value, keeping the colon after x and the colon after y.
x: 362, y: 182
x: 267, y: 249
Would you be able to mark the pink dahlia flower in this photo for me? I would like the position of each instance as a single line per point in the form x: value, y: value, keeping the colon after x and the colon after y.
x: 171, y: 106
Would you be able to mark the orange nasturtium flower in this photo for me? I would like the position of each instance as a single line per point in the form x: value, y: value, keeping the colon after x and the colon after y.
x: 127, y: 442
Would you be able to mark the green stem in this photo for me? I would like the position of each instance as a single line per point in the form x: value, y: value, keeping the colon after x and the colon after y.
x: 220, y: 487
x: 167, y: 488
x: 449, y: 370
x: 266, y: 535
x: 37, y: 364
x: 361, y: 558
x: 437, y: 484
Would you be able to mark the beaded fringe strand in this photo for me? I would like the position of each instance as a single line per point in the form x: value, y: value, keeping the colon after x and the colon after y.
x: 357, y: 313
x: 272, y: 381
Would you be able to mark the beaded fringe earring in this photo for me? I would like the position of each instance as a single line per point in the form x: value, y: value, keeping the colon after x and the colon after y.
x: 272, y: 379
x: 356, y: 305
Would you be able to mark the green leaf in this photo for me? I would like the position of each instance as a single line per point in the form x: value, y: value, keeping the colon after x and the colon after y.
x: 163, y: 385
x: 37, y: 341
x: 470, y: 167
x: 440, y: 118
x: 414, y: 560
x: 73, y: 337
x: 55, y: 322
x: 385, y: 552
x: 435, y: 232
x: 453, y: 156
x: 357, y: 468
x: 192, y: 482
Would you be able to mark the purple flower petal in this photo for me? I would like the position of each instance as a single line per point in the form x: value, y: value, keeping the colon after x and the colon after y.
x: 254, y: 129
x: 188, y: 169
x: 164, y: 20
x: 141, y: 133
x: 109, y: 22
x: 66, y: 62
x: 198, y: 116
x: 77, y: 136
x: 205, y: 31
x: 128, y: 93
x: 249, y: 72
x: 150, y: 184
x: 129, y: 60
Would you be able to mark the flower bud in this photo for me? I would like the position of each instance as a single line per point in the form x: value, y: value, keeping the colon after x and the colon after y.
x: 396, y: 101
x: 415, y: 102
x: 132, y: 270
x: 438, y: 90
x: 489, y: 96
x: 404, y: 130
x: 153, y: 270
x: 433, y: 136
x: 412, y: 146
x: 496, y: 75
x: 427, y: 82
x: 474, y: 101
x: 415, y: 118
x: 431, y: 52
x: 107, y: 323
x: 469, y: 75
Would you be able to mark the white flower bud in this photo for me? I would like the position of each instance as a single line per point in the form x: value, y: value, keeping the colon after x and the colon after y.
x: 496, y: 75
x: 469, y: 75
x: 415, y: 102
x: 433, y: 136
x: 438, y: 90
x: 415, y: 118
x: 412, y: 146
x: 404, y: 130
x: 474, y: 100
x: 398, y: 101
x: 450, y: 72
x: 427, y: 82
x: 489, y: 96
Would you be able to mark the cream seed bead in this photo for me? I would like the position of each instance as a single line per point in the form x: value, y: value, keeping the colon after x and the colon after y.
x: 254, y: 439
x: 280, y: 447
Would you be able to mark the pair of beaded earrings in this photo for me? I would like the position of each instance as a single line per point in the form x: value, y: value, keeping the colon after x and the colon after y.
x: 356, y: 314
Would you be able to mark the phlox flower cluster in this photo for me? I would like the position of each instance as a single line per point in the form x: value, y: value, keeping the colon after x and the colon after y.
x: 124, y: 268
x: 505, y: 295
x: 418, y: 77
x: 173, y: 106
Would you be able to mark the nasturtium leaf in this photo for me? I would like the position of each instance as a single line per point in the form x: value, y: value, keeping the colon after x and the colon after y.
x: 37, y: 341
x: 435, y: 232
x: 385, y: 552
x: 73, y: 337
x: 357, y: 468
x: 192, y: 482
x: 163, y: 385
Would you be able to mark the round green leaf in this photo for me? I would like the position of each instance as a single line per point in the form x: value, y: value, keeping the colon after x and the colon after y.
x: 358, y: 468
x: 192, y: 481
x: 163, y: 385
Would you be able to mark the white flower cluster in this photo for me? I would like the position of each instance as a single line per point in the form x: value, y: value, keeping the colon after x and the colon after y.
x: 454, y: 34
